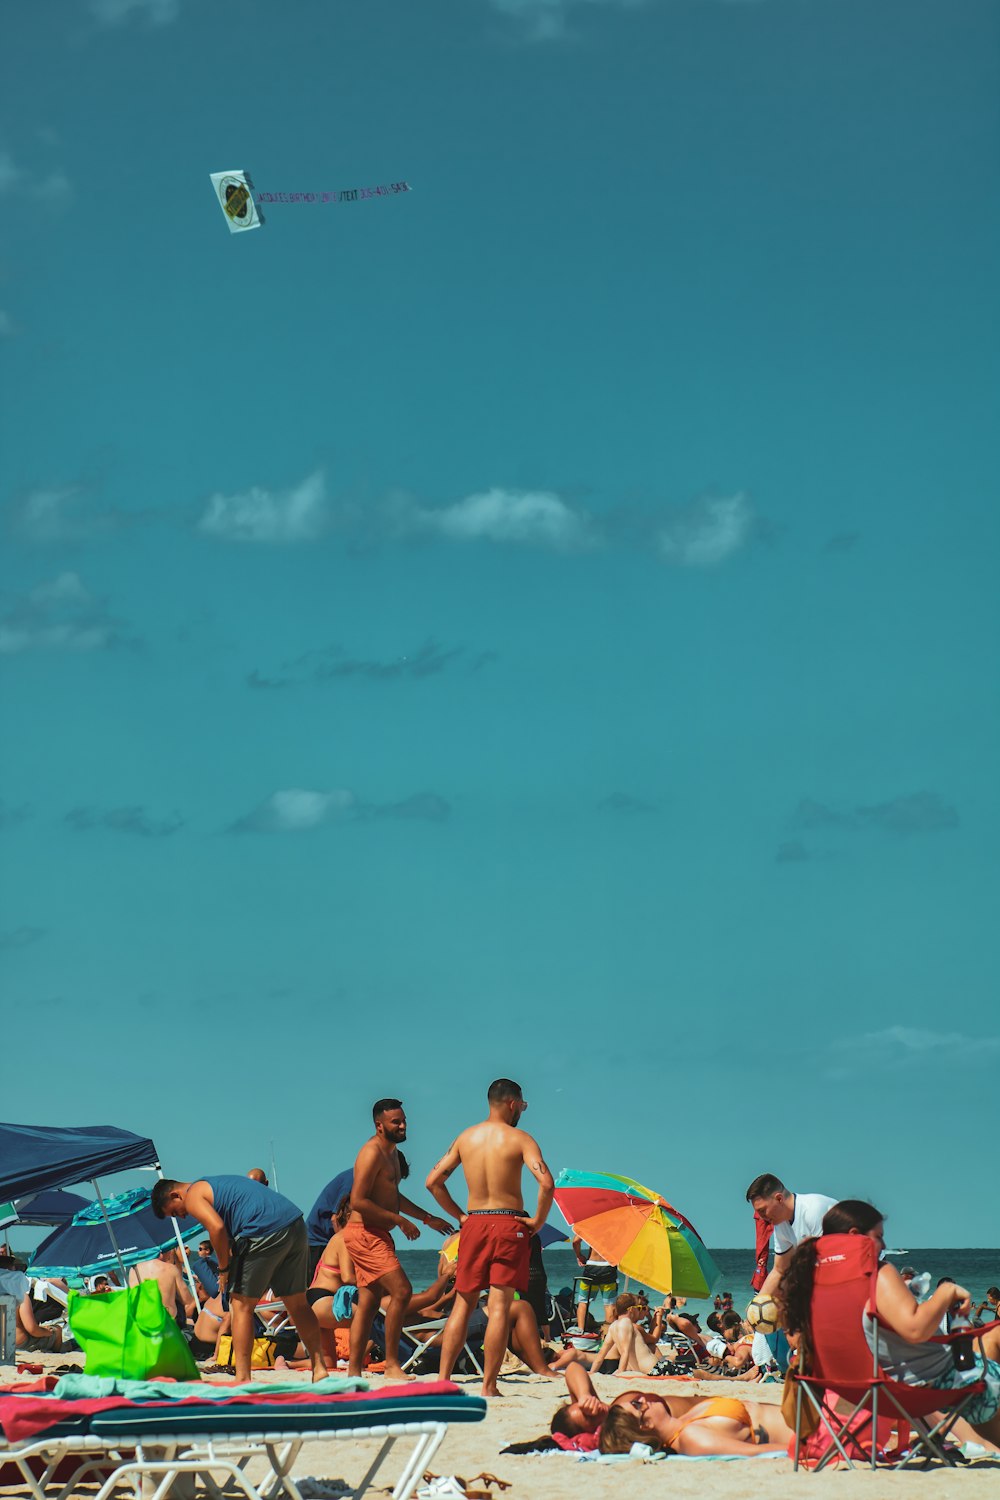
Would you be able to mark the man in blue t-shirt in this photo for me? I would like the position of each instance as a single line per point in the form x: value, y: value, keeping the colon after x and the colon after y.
x: 206, y: 1269
x: 259, y: 1238
x: 319, y: 1227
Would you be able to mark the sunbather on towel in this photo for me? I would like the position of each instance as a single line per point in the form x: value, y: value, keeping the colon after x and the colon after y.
x: 260, y: 1239
x: 695, y: 1426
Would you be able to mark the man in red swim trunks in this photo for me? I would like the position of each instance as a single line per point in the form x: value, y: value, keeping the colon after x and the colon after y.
x: 495, y: 1243
x: 375, y: 1211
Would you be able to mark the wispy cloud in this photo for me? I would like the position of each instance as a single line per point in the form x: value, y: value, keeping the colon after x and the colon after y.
x: 624, y: 805
x: 51, y: 187
x: 924, y: 812
x: 54, y: 514
x: 269, y: 516
x: 333, y: 662
x: 548, y: 20
x: 298, y: 810
x: 708, y: 530
x: 528, y: 518
x: 792, y: 853
x: 12, y: 817
x: 907, y: 1049
x: 426, y: 807
x: 59, y: 614
x: 117, y: 12
x: 20, y: 937
x: 920, y: 812
x: 844, y: 541
x: 133, y: 820
x: 812, y: 814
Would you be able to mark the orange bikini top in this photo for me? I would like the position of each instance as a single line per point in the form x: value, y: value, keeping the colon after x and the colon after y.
x: 718, y: 1406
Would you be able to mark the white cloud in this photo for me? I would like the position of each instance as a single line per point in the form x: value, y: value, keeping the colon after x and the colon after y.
x: 116, y: 12
x: 58, y: 615
x: 707, y: 531
x: 258, y: 515
x: 11, y: 175
x: 61, y: 513
x: 54, y: 189
x: 524, y: 517
x: 545, y: 20
x: 296, y: 810
x: 42, y: 514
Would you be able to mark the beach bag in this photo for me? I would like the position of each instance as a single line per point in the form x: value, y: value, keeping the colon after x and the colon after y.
x: 129, y: 1335
x: 856, y: 1441
x: 809, y: 1419
x: 263, y: 1353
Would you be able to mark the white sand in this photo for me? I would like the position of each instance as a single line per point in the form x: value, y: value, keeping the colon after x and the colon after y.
x: 523, y: 1412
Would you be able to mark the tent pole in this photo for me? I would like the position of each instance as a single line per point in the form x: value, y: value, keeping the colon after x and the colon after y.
x: 107, y: 1224
x: 183, y: 1250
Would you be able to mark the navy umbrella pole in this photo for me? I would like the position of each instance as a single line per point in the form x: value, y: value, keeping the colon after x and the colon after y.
x: 183, y: 1250
x: 107, y: 1225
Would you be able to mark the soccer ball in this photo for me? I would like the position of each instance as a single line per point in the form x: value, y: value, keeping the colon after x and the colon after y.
x: 763, y: 1315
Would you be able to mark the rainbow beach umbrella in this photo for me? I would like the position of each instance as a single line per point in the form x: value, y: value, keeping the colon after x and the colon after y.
x: 635, y: 1229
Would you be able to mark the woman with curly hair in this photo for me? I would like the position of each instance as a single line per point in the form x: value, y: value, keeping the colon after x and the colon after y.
x: 902, y: 1336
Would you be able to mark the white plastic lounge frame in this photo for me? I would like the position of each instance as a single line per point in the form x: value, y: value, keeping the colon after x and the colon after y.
x: 208, y: 1452
x: 215, y: 1454
x: 431, y: 1327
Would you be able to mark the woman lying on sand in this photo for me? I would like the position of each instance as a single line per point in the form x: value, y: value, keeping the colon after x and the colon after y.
x: 692, y: 1425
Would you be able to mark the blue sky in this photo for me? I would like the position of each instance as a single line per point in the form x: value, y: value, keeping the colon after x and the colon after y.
x: 543, y: 623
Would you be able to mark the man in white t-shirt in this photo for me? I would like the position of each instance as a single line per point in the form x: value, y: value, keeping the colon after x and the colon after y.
x: 794, y: 1216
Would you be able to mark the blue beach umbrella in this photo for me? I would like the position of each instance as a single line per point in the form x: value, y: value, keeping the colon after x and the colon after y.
x: 52, y: 1206
x: 83, y: 1247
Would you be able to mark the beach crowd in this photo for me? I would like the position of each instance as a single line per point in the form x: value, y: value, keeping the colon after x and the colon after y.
x: 329, y: 1287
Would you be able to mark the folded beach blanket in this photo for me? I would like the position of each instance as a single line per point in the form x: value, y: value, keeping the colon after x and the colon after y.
x: 96, y: 1387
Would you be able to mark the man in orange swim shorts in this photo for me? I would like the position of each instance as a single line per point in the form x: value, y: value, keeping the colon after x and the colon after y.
x: 375, y: 1210
x: 495, y: 1243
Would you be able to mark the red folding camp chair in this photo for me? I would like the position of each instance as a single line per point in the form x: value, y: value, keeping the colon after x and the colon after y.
x: 845, y: 1371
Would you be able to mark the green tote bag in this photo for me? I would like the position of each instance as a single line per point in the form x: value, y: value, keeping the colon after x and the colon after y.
x: 130, y: 1335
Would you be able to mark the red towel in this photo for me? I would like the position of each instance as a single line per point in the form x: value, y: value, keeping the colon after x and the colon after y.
x: 764, y: 1232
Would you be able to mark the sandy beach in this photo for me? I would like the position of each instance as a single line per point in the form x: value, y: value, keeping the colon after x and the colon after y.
x: 524, y: 1409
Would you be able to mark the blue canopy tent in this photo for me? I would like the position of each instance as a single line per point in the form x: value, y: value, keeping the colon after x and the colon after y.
x: 34, y: 1157
x: 84, y: 1246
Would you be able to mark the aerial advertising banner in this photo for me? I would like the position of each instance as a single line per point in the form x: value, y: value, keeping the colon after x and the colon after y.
x: 234, y: 191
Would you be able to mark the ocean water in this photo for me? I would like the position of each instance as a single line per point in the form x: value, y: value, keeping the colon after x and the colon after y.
x: 974, y: 1269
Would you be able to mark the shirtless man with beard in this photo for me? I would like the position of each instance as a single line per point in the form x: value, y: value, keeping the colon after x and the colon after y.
x: 495, y: 1244
x: 375, y: 1211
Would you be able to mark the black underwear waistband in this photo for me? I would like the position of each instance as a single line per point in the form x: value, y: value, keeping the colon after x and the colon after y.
x: 507, y: 1213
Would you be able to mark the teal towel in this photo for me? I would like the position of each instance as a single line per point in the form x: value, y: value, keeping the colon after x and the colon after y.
x: 95, y: 1387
